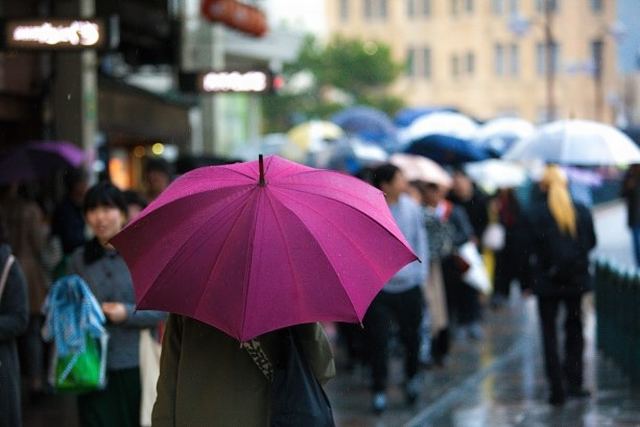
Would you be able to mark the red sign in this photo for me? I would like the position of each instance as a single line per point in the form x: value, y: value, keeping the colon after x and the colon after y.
x: 237, y: 15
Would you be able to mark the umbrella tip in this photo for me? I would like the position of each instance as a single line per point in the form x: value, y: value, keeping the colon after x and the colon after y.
x: 261, y: 163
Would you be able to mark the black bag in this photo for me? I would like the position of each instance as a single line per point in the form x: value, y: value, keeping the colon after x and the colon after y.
x: 297, y: 398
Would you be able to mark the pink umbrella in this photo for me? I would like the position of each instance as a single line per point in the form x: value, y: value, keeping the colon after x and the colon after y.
x: 248, y: 251
x: 421, y: 169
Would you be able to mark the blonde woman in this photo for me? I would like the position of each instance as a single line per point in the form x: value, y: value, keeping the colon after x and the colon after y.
x: 562, y: 236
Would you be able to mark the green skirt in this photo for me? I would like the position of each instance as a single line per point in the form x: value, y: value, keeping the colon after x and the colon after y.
x: 118, y: 405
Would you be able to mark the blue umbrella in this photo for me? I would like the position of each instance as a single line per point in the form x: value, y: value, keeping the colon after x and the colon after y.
x: 406, y: 116
x: 447, y: 150
x: 367, y: 123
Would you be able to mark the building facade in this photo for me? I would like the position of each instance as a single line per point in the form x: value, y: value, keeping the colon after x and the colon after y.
x: 488, y: 57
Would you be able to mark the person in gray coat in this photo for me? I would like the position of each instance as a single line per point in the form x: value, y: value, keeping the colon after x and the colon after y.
x: 14, y: 317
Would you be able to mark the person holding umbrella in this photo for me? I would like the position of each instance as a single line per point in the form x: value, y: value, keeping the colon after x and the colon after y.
x: 562, y: 235
x: 401, y: 298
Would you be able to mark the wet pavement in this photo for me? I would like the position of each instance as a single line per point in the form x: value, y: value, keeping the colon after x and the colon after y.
x: 497, y: 381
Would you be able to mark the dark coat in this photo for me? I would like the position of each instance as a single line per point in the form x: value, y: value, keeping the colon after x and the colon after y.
x: 14, y: 316
x: 476, y: 208
x: 631, y: 194
x: 548, y: 243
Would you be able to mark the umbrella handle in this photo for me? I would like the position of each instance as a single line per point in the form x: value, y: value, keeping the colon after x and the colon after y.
x: 261, y: 163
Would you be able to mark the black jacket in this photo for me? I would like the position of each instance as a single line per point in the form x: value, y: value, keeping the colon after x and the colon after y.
x: 14, y: 316
x: 549, y: 245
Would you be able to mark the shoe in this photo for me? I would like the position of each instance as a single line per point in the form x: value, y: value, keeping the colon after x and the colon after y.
x: 412, y: 390
x: 578, y: 392
x: 379, y: 403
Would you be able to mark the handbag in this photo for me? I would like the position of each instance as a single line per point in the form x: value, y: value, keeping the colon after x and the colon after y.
x: 476, y: 275
x: 83, y: 371
x: 297, y: 398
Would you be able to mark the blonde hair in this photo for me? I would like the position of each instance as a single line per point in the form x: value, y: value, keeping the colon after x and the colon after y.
x: 554, y: 181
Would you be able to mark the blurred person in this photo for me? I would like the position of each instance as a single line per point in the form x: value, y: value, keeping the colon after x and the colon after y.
x: 475, y: 202
x: 631, y: 194
x: 135, y: 204
x: 562, y: 236
x: 68, y: 220
x: 14, y: 318
x: 108, y: 277
x: 512, y: 261
x: 207, y: 378
x: 27, y: 236
x: 157, y: 177
x: 401, y: 299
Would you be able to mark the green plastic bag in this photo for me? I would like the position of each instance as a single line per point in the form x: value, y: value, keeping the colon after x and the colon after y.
x: 83, y: 371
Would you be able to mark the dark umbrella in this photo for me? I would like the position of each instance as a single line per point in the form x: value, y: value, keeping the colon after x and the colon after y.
x: 447, y: 150
x: 368, y: 123
x: 406, y: 116
x: 37, y: 159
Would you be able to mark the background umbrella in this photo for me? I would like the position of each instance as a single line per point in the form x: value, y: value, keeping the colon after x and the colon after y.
x: 442, y: 123
x: 498, y: 135
x: 494, y: 173
x: 577, y: 142
x: 268, y: 145
x: 38, y: 159
x: 421, y: 169
x: 406, y: 116
x: 447, y: 150
x: 249, y: 252
x: 367, y: 123
x: 350, y: 155
x: 308, y: 139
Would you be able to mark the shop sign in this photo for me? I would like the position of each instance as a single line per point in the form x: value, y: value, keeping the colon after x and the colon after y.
x: 253, y: 81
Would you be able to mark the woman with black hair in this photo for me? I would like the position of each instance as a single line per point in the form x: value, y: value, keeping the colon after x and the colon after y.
x: 106, y: 273
x: 14, y: 317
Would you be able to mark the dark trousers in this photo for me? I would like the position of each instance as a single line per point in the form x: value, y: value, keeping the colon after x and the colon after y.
x: 463, y: 301
x: 571, y: 369
x: 406, y: 310
x: 510, y: 266
x: 31, y: 348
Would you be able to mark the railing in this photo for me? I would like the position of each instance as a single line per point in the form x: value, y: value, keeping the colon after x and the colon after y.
x: 617, y: 292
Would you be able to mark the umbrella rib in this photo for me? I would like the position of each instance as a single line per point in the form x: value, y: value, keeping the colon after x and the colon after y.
x: 321, y: 248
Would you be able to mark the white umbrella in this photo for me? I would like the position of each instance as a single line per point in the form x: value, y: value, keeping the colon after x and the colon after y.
x: 577, y: 142
x: 421, y: 169
x: 440, y: 123
x: 494, y: 173
x: 499, y: 134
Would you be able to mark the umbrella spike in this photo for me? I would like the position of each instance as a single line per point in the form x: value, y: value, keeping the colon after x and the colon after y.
x: 261, y: 163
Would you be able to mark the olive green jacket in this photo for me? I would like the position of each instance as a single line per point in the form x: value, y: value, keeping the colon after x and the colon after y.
x: 208, y: 380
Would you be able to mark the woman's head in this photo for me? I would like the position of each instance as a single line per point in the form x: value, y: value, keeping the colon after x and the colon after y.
x: 105, y: 210
x: 554, y: 183
x: 390, y: 180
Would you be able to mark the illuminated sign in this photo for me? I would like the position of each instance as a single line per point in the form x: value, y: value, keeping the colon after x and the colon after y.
x: 254, y: 81
x: 63, y: 34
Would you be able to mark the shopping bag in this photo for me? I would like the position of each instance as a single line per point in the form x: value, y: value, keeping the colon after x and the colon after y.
x: 149, y: 373
x: 82, y: 371
x: 476, y: 276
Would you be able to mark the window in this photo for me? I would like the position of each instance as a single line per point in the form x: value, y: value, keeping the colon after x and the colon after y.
x: 454, y: 7
x: 596, y: 5
x: 514, y: 60
x: 514, y: 7
x: 470, y: 63
x: 426, y: 62
x: 455, y: 66
x: 368, y: 9
x: 382, y: 5
x: 551, y: 4
x: 498, y: 53
x: 597, y: 47
x: 497, y: 6
x: 411, y: 8
x: 344, y: 10
x: 426, y: 7
x: 469, y: 6
x: 411, y: 62
x: 541, y: 57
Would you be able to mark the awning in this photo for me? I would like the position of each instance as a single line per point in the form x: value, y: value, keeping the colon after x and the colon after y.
x: 128, y: 114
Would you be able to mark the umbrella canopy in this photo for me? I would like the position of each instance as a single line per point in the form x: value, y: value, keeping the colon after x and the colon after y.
x: 577, y: 142
x: 351, y: 155
x: 38, y: 159
x: 495, y: 173
x: 368, y: 123
x: 421, y: 169
x: 309, y: 138
x: 249, y: 252
x: 441, y: 123
x: 406, y: 116
x: 447, y: 150
x: 501, y: 133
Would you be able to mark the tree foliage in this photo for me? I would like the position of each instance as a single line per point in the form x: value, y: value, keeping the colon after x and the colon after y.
x: 361, y: 70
